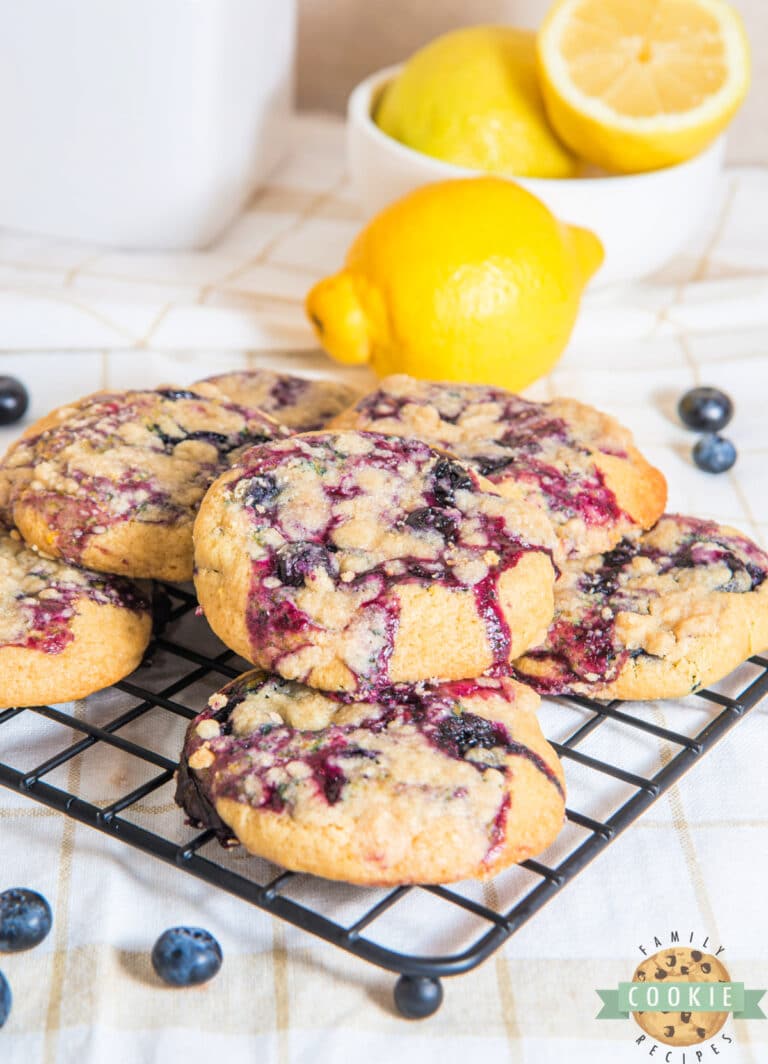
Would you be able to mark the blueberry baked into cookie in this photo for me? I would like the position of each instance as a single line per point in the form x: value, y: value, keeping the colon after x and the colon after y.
x: 577, y: 464
x: 353, y: 560
x: 659, y: 616
x: 428, y: 783
x: 113, y: 482
x: 301, y: 403
x: 64, y: 632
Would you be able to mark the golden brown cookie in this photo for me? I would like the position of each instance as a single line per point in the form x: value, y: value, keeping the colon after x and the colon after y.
x: 301, y: 403
x: 681, y: 965
x: 349, y: 560
x: 578, y: 465
x: 64, y: 632
x: 113, y: 482
x: 431, y: 783
x: 659, y: 616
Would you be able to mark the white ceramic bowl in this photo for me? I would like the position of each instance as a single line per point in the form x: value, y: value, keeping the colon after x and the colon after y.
x: 642, y: 219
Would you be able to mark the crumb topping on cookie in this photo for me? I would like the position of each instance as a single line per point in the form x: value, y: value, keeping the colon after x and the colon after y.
x: 39, y: 597
x: 302, y: 403
x: 654, y: 595
x: 144, y: 456
x: 338, y: 521
x: 278, y: 746
x: 547, y: 449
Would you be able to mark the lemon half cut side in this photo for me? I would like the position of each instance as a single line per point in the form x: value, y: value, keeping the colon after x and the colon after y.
x: 636, y: 85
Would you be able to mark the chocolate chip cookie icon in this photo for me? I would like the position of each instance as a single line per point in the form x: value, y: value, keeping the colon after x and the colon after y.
x: 681, y: 966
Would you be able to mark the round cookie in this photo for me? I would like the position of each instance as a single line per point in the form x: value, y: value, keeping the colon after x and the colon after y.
x: 351, y: 560
x: 657, y: 617
x: 64, y: 632
x: 579, y: 465
x: 114, y: 481
x: 301, y: 403
x: 427, y: 783
x: 681, y: 965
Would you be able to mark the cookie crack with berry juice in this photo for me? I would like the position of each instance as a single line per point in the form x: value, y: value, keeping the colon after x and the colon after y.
x: 578, y: 465
x: 423, y: 783
x: 353, y: 560
x: 55, y: 620
x: 659, y: 616
x: 113, y: 482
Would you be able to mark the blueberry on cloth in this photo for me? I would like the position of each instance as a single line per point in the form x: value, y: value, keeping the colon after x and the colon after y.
x: 14, y: 400
x: 5, y: 999
x: 705, y: 409
x: 25, y: 919
x: 186, y: 956
x: 714, y: 454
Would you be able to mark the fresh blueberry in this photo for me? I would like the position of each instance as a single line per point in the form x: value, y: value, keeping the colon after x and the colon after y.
x: 714, y: 454
x: 449, y: 477
x: 25, y: 919
x: 430, y: 519
x: 5, y: 999
x: 705, y: 409
x: 261, y: 489
x: 295, y: 562
x: 186, y: 956
x: 14, y: 400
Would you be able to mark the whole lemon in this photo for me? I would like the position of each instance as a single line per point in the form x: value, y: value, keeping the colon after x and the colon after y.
x: 467, y: 280
x: 472, y: 98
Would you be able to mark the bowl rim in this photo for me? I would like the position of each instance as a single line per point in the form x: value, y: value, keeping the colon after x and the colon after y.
x: 359, y: 107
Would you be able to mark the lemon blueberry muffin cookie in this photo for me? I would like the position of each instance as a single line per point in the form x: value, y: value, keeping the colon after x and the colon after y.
x: 113, y: 482
x: 427, y: 783
x: 346, y: 560
x: 301, y: 403
x: 659, y: 616
x: 64, y: 632
x: 578, y: 465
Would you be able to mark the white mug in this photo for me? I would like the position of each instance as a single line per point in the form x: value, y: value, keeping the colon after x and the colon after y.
x: 140, y: 123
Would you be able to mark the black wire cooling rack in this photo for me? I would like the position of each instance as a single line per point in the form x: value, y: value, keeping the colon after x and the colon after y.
x: 618, y: 759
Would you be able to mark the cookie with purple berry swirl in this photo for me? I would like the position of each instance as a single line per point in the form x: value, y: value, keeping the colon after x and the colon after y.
x: 575, y: 463
x: 113, y: 482
x: 64, y: 632
x: 351, y: 560
x: 301, y: 403
x: 421, y: 784
x: 659, y: 616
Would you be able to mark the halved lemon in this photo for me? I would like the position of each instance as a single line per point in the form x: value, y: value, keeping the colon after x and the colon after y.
x: 639, y: 84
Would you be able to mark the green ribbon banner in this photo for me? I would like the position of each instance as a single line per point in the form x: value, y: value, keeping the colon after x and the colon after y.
x: 681, y: 997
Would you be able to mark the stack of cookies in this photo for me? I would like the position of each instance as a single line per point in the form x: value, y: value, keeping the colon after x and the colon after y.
x: 406, y: 571
x: 105, y: 490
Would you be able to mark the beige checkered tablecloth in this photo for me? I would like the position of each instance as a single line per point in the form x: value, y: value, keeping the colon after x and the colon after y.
x: 74, y: 319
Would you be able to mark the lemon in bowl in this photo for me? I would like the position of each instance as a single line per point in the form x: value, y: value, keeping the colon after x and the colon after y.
x: 467, y: 280
x: 472, y: 98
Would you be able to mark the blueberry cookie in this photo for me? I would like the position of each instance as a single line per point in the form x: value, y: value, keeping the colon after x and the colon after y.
x: 578, y: 465
x: 427, y: 783
x: 659, y: 616
x: 681, y: 965
x: 349, y: 560
x: 114, y: 481
x: 64, y: 632
x: 300, y: 403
